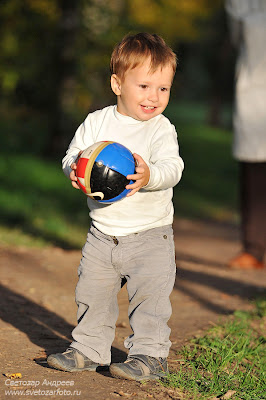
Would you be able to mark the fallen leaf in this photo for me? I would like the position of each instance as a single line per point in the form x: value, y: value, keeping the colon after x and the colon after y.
x: 177, y: 361
x: 228, y: 394
x: 123, y: 394
x: 17, y: 375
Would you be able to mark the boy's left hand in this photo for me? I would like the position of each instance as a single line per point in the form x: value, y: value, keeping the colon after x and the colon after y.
x: 141, y: 177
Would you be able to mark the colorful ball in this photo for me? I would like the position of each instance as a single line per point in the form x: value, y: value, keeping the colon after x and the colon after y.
x: 102, y: 171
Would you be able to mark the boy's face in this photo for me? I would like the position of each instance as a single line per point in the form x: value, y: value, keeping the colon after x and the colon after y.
x: 142, y: 95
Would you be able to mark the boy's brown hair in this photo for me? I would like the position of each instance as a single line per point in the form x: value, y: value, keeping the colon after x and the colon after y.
x: 134, y: 49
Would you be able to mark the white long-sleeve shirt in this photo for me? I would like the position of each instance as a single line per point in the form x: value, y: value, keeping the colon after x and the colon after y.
x: 155, y: 141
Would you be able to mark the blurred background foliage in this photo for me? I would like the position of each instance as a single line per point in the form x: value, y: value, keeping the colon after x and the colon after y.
x: 54, y: 59
x: 54, y: 69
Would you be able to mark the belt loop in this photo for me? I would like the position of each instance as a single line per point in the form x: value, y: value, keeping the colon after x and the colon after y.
x: 115, y: 240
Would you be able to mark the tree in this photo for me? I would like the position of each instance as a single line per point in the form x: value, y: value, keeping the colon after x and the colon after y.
x: 54, y: 59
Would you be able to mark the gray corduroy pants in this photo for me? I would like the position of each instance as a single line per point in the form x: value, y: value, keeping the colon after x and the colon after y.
x: 147, y: 261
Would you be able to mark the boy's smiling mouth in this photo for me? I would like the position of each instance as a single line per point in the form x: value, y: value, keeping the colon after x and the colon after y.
x: 148, y: 108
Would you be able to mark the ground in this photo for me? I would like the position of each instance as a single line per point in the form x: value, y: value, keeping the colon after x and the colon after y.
x: 38, y: 312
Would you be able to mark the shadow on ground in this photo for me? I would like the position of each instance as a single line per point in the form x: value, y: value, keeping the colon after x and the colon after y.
x: 43, y: 327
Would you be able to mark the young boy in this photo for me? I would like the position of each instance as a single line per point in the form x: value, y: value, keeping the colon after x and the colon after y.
x: 133, y: 238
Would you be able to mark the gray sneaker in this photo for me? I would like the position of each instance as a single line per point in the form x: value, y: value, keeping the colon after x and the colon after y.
x: 72, y: 360
x: 139, y: 367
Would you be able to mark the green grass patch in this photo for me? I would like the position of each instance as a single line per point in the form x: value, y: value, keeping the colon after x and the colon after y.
x: 209, y: 184
x: 38, y: 205
x: 229, y: 358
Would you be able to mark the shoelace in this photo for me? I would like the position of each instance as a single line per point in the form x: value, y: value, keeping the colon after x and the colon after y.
x: 67, y: 351
x: 133, y: 361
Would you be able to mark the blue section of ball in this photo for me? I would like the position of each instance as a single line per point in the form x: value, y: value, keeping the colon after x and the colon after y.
x: 118, y: 158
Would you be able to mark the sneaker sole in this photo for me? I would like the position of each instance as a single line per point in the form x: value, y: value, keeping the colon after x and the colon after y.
x: 117, y: 372
x: 53, y: 362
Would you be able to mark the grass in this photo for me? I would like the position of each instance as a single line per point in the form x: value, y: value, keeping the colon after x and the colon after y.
x: 229, y: 359
x: 209, y: 184
x: 208, y: 188
x: 39, y: 207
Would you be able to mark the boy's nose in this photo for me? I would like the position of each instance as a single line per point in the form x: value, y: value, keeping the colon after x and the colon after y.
x: 153, y: 95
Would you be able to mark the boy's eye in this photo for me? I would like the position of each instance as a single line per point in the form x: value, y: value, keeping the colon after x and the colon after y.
x: 143, y: 86
x: 163, y: 89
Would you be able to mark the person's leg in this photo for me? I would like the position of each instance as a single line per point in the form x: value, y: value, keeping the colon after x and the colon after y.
x: 151, y: 278
x: 253, y: 210
x: 150, y: 271
x: 96, y: 297
x: 253, y: 215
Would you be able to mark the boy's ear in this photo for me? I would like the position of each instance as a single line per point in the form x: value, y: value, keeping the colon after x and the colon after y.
x: 116, y: 84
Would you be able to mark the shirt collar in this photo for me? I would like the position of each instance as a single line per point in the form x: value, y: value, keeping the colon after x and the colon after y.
x: 125, y: 119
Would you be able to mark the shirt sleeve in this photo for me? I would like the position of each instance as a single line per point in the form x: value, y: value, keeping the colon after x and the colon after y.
x: 82, y: 139
x: 165, y: 164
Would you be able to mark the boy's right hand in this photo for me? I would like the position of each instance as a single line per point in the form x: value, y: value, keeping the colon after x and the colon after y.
x: 72, y: 175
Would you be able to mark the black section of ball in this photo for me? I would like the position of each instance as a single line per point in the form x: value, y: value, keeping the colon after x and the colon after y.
x: 104, y: 179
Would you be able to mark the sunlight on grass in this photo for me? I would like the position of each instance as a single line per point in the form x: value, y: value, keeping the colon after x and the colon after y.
x: 38, y: 201
x: 230, y: 357
x: 209, y: 184
x: 16, y: 237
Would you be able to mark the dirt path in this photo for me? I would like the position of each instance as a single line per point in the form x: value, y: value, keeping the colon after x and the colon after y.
x: 38, y: 312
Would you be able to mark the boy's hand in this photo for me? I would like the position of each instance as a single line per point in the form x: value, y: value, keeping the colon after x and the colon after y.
x: 141, y: 177
x: 72, y: 175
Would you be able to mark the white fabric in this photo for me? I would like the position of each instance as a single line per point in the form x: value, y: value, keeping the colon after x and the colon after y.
x: 156, y: 142
x: 249, y: 32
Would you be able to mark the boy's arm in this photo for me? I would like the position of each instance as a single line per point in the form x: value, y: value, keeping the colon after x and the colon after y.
x: 165, y: 167
x: 76, y: 145
x: 80, y: 142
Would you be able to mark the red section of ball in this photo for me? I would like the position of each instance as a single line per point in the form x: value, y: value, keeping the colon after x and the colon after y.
x: 81, y: 167
x: 82, y: 187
